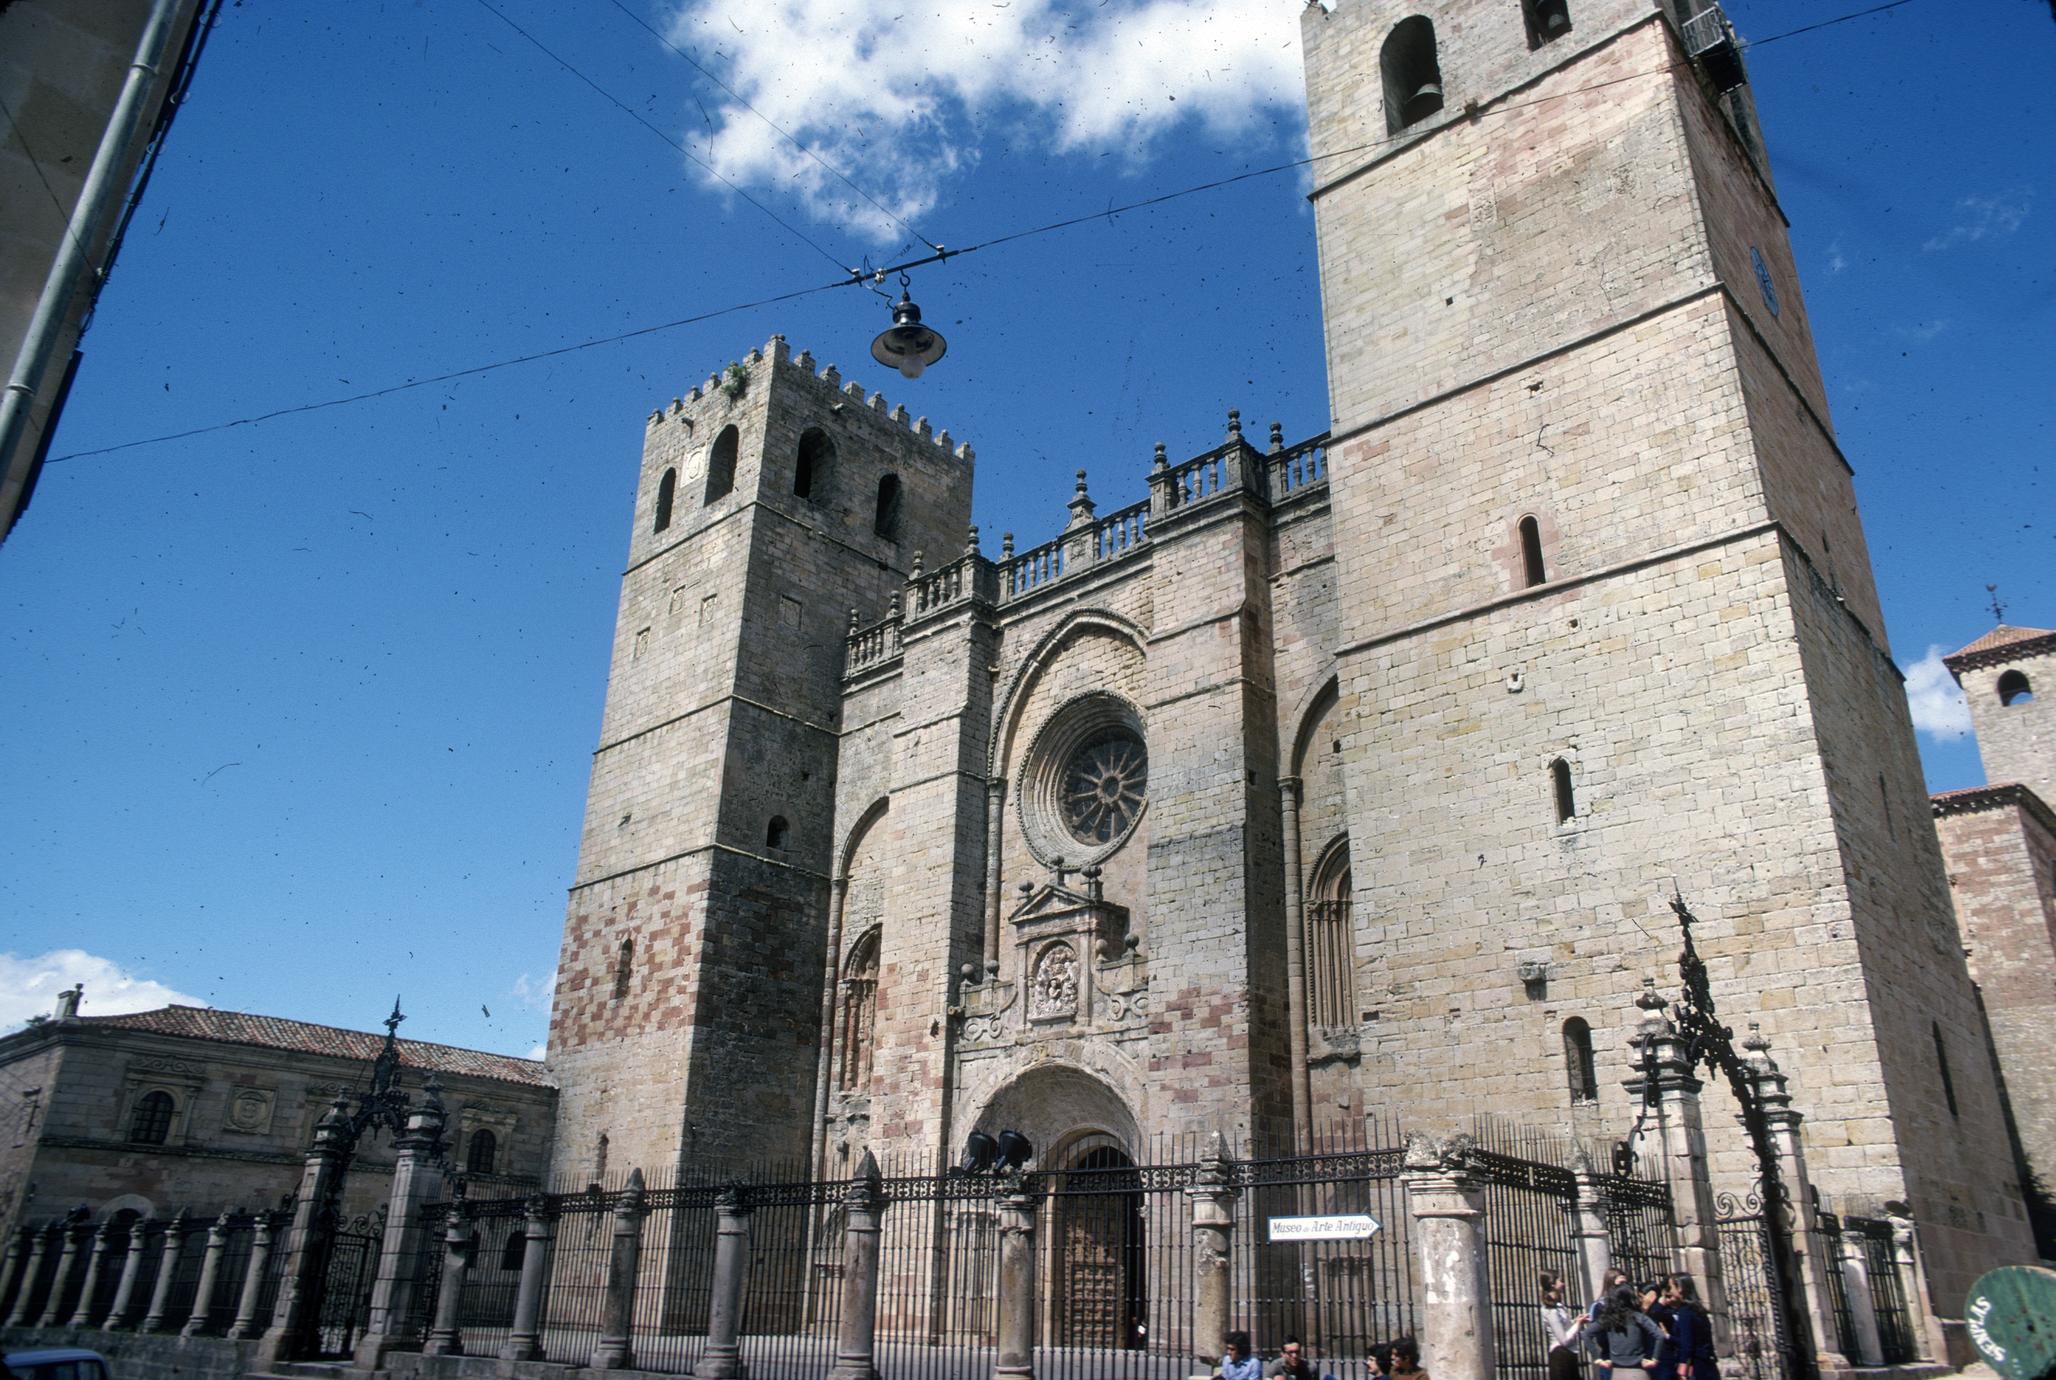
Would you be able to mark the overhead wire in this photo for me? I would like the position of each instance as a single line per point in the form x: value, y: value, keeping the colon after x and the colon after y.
x: 941, y: 255
x: 636, y: 115
x: 783, y: 133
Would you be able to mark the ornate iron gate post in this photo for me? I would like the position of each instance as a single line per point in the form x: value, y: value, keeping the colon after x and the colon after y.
x: 1703, y: 1040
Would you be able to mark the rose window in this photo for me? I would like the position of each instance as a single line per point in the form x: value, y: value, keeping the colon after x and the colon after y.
x: 1103, y: 786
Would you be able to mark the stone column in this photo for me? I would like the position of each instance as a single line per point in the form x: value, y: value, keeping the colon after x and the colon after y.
x: 1863, y: 1316
x: 722, y: 1358
x: 167, y: 1266
x: 210, y: 1275
x: 1295, y: 967
x: 1666, y: 1082
x: 616, y: 1349
x: 1014, y: 1356
x: 1927, y: 1328
x: 864, y: 1209
x: 10, y: 1268
x: 1213, y: 1195
x: 1595, y: 1247
x: 74, y: 1236
x: 525, y: 1338
x: 82, y: 1316
x: 400, y: 1249
x: 39, y: 1245
x: 247, y: 1324
x: 445, y: 1337
x: 824, y: 1065
x: 131, y: 1269
x: 1793, y: 1212
x: 299, y: 1284
x: 1447, y: 1205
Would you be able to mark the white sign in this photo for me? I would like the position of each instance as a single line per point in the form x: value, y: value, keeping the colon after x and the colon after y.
x: 1354, y: 1227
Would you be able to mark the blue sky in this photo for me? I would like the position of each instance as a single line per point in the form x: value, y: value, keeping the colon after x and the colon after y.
x: 296, y: 715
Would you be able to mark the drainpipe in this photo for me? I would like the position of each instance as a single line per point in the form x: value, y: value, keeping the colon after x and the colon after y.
x: 98, y: 200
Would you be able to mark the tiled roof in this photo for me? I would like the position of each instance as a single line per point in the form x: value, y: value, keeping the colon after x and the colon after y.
x: 276, y: 1032
x: 1972, y: 799
x: 2002, y: 643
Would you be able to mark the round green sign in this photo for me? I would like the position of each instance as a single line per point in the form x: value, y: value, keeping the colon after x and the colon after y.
x: 2011, y: 1315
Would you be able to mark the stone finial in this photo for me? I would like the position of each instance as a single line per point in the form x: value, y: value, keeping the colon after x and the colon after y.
x: 1277, y: 437
x: 1160, y: 461
x: 916, y: 573
x: 1234, y: 425
x: 694, y: 395
x: 805, y: 360
x: 853, y: 621
x: 1059, y: 870
x: 1081, y: 504
x: 971, y: 541
x: 832, y: 376
x: 1655, y: 1019
x: 1006, y: 546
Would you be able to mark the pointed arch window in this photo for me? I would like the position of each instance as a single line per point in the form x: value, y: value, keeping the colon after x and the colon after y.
x: 1330, y: 946
x: 886, y: 520
x: 2015, y: 689
x: 667, y: 492
x: 482, y: 1152
x: 859, y: 1014
x: 151, y: 1124
x: 721, y: 464
x: 1413, y: 76
x: 1533, y: 571
x: 810, y: 467
x: 1578, y: 1062
x: 624, y: 968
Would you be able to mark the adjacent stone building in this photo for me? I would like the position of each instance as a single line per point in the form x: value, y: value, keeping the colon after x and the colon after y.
x: 186, y: 1107
x: 1999, y: 841
x: 1321, y: 780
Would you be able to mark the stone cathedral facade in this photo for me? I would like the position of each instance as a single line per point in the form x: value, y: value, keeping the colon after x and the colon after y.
x: 1328, y: 779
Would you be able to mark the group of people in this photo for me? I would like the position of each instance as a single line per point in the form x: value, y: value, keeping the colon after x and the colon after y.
x: 1659, y: 1327
x: 1395, y: 1360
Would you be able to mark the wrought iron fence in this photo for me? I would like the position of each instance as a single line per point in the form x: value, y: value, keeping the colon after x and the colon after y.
x: 1873, y: 1237
x: 1759, y: 1348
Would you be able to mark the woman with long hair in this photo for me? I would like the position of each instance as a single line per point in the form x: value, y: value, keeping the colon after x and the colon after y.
x: 1563, y: 1327
x: 1622, y: 1337
x: 1691, y: 1331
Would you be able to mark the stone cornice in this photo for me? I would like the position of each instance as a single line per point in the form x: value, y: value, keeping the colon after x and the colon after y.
x: 1978, y: 799
x: 1960, y: 662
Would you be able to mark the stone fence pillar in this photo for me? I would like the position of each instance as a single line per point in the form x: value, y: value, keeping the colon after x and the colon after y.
x: 864, y: 1209
x: 1447, y: 1204
x: 10, y: 1266
x: 1213, y: 1195
x: 247, y: 1323
x: 1792, y: 1213
x: 1666, y: 1083
x: 524, y: 1339
x: 167, y: 1266
x: 1927, y: 1328
x: 299, y: 1285
x: 1863, y: 1315
x: 1014, y: 1356
x: 616, y: 1348
x: 32, y: 1265
x: 103, y: 1240
x: 131, y: 1270
x: 73, y: 1232
x: 722, y: 1358
x: 210, y: 1275
x: 1595, y: 1247
x: 400, y: 1249
x: 445, y: 1334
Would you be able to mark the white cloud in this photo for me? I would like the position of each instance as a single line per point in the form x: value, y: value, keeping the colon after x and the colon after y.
x: 1837, y: 261
x: 1984, y: 217
x: 1939, y: 709
x: 898, y: 96
x: 29, y: 986
x: 538, y: 1050
x: 535, y: 994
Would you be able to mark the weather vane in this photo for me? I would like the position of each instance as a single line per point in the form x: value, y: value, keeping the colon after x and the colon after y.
x: 1998, y: 609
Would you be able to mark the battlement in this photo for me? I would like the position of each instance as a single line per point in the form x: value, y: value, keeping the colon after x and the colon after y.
x: 836, y: 393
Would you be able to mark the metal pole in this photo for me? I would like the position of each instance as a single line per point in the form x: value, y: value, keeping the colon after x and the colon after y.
x: 1295, y: 968
x: 104, y: 186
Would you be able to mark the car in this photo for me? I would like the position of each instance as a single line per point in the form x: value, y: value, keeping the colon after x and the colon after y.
x: 57, y: 1363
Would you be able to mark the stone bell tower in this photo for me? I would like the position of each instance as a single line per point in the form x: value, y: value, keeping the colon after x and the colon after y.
x: 1606, y: 616
x: 772, y: 499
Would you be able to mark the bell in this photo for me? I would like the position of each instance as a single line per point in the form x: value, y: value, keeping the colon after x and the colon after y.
x: 1014, y: 1149
x: 979, y: 1149
x: 1419, y: 106
x: 908, y: 346
x: 1554, y: 18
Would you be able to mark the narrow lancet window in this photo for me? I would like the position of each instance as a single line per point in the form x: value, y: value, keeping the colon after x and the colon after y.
x: 667, y: 490
x: 721, y: 464
x: 1942, y: 1063
x: 810, y: 466
x: 1533, y: 571
x: 624, y: 967
x: 886, y: 522
x: 775, y: 832
x: 1578, y: 1062
x: 1560, y: 782
x: 859, y: 1014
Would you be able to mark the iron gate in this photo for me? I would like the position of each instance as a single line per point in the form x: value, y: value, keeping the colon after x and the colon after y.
x: 1751, y: 1272
x: 349, y: 1267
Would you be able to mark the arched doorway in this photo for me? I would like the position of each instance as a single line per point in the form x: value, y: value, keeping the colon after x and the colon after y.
x: 1098, y: 1268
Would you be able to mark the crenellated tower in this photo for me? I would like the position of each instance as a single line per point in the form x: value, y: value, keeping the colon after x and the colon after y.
x: 1605, y: 613
x: 772, y: 499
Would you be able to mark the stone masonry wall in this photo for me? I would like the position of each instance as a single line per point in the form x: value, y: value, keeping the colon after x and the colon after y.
x: 2017, y: 742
